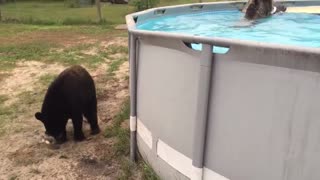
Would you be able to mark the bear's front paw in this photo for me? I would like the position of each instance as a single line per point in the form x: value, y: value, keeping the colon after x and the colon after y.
x: 62, y: 138
x: 95, y: 131
x: 61, y: 141
x: 79, y: 137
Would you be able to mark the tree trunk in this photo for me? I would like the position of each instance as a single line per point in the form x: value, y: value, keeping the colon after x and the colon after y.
x: 99, y: 10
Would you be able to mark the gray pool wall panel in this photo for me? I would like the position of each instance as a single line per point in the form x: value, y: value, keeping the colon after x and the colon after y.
x: 263, y: 121
x: 167, y: 78
x: 263, y: 105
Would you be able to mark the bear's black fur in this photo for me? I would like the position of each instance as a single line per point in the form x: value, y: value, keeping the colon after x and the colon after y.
x: 259, y: 9
x: 256, y: 9
x: 71, y: 95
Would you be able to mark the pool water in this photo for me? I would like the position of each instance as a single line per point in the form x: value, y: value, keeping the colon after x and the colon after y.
x: 297, y: 29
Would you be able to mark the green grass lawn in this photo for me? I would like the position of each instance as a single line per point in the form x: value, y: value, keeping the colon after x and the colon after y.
x: 57, y: 13
x: 49, y: 13
x: 176, y: 2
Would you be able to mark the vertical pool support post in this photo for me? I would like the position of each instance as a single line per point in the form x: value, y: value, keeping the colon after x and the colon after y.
x: 200, y: 125
x: 133, y: 96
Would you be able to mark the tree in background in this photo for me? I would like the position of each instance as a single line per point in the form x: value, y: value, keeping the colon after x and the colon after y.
x: 98, y: 4
x: 1, y: 2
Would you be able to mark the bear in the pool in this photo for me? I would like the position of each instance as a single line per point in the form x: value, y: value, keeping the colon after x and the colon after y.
x: 256, y: 9
x: 71, y: 95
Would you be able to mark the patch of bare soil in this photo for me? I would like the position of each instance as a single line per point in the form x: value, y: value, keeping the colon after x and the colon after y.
x: 92, y: 51
x: 24, y: 156
x: 120, y: 41
x: 64, y: 38
x: 3, y: 75
x: 22, y: 77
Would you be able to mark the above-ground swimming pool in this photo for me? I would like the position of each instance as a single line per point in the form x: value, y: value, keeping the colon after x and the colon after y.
x: 214, y: 97
x: 300, y: 29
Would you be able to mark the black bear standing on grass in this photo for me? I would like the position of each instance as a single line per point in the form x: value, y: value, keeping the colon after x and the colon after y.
x: 71, y: 95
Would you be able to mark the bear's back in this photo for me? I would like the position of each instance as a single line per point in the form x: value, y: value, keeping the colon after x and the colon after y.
x: 73, y: 87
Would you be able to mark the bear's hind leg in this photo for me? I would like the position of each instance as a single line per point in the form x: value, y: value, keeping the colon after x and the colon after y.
x: 77, y: 126
x: 91, y: 115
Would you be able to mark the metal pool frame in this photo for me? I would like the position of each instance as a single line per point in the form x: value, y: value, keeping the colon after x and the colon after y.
x: 251, y: 113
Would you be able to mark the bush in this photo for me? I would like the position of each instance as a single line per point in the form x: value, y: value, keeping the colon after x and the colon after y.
x: 144, y: 4
x: 72, y: 3
x: 78, y: 3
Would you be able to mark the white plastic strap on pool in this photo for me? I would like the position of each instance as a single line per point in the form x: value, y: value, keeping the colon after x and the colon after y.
x: 174, y: 158
x: 133, y: 123
x: 196, y: 173
x: 144, y: 133
x: 183, y: 164
x: 209, y: 174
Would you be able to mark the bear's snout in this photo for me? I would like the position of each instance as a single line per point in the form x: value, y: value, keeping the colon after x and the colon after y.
x: 48, y: 139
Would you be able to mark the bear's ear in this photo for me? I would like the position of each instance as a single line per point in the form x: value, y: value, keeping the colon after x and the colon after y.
x: 38, y: 116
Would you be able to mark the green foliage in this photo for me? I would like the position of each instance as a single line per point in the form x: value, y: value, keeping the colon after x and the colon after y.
x: 78, y: 3
x: 123, y: 115
x: 72, y: 3
x: 126, y: 167
x: 144, y: 4
x: 148, y: 173
x: 122, y: 147
x: 46, y: 79
x: 6, y: 66
x: 13, y: 177
x: 114, y: 49
x: 114, y: 66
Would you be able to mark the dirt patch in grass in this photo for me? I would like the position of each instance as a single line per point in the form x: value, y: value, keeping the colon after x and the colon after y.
x: 60, y: 37
x: 23, y: 76
x: 66, y: 36
x: 117, y: 41
x: 3, y: 76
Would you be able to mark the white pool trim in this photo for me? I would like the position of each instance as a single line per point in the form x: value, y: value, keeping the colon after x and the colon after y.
x: 144, y: 133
